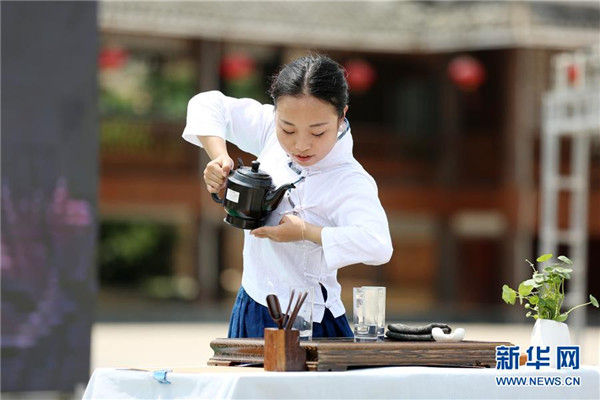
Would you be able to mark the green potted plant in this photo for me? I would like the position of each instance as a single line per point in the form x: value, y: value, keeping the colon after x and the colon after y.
x: 543, y: 296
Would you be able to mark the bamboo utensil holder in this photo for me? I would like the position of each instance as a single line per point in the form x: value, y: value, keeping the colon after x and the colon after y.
x: 282, y: 351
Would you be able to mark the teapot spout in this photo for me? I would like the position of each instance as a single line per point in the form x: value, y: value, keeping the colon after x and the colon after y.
x: 274, y: 197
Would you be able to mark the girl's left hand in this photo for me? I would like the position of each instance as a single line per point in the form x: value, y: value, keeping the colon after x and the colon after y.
x: 291, y: 228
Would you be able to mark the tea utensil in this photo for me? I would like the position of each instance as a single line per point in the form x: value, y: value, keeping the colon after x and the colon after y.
x: 286, y: 317
x: 275, y: 310
x: 297, y: 307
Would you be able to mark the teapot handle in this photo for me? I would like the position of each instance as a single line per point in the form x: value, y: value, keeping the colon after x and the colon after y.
x: 216, y: 198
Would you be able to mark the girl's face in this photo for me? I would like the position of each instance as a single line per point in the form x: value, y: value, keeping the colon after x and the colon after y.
x: 306, y: 127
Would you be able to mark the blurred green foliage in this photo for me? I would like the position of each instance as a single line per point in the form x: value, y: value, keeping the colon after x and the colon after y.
x: 148, y: 84
x: 131, y: 252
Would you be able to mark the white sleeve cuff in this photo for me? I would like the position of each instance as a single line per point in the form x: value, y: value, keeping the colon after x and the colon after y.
x: 330, y: 246
x: 353, y: 245
x: 192, y: 133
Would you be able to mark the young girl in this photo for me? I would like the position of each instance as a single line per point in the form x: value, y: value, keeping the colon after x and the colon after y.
x: 332, y: 218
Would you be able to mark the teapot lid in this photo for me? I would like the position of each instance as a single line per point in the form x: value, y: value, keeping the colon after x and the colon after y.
x: 255, y: 173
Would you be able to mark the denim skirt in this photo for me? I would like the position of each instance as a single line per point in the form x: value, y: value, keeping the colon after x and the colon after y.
x: 249, y: 319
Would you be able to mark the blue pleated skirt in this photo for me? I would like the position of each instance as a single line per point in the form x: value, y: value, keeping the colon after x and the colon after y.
x: 249, y: 319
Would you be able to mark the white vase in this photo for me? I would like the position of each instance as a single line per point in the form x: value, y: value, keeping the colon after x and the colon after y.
x: 547, y: 332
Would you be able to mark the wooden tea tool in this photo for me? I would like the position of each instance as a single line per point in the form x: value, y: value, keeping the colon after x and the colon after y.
x: 275, y: 310
x: 286, y: 316
x: 297, y: 308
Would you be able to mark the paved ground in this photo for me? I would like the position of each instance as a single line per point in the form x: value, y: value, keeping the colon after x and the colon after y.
x: 176, y: 344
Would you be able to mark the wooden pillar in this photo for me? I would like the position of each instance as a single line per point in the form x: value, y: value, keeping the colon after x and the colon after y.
x: 210, y: 219
x: 447, y: 176
x: 522, y: 112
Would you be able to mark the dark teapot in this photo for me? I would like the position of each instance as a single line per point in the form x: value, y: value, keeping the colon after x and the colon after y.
x: 250, y: 196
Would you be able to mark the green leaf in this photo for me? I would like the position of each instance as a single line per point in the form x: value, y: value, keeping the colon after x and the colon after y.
x: 555, y: 279
x: 551, y: 305
x: 539, y: 278
x: 544, y: 257
x: 561, y: 318
x: 508, y: 295
x: 562, y: 270
x: 565, y: 259
x: 530, y: 282
x: 534, y: 300
x: 594, y: 301
x: 525, y: 288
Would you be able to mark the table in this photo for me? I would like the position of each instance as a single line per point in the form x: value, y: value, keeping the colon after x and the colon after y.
x: 370, y: 383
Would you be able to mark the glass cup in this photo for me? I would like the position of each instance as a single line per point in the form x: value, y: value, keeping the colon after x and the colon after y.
x: 369, y: 313
x: 304, y: 319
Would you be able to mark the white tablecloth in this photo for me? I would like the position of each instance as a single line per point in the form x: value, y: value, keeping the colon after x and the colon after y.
x: 373, y: 383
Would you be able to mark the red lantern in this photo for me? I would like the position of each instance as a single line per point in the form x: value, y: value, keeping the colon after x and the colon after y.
x: 466, y: 72
x: 572, y: 74
x: 237, y: 66
x: 112, y: 58
x: 361, y: 75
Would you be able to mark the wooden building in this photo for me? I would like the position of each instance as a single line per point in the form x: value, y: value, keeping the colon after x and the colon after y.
x: 456, y: 159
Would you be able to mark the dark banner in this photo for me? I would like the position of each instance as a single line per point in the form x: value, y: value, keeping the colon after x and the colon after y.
x: 48, y: 193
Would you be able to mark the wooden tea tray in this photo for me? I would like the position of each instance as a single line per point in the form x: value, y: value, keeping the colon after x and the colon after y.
x: 329, y: 354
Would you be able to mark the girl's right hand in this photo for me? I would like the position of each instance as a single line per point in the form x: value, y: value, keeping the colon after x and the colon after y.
x: 216, y: 173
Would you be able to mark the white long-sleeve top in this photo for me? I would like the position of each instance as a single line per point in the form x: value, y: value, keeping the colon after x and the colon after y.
x: 336, y: 193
